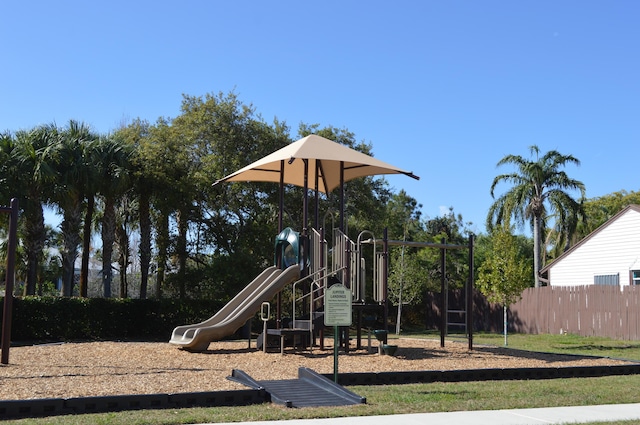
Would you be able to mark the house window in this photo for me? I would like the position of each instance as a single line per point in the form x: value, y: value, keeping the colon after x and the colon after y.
x: 607, y: 279
x: 635, y: 277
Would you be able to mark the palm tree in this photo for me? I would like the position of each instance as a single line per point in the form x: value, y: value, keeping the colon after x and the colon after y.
x: 539, y: 190
x: 91, y: 182
x: 565, y: 233
x: 137, y: 135
x: 73, y: 168
x: 113, y: 173
x: 33, y: 174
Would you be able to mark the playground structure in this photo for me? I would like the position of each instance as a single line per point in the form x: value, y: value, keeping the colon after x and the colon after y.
x: 310, y: 265
x: 236, y: 312
x: 306, y: 260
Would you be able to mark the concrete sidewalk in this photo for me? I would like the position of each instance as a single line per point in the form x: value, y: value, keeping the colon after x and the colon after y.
x: 543, y: 415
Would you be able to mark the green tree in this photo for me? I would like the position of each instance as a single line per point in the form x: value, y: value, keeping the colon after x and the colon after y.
x: 600, y: 209
x: 73, y: 168
x: 144, y: 186
x: 113, y: 177
x: 505, y: 273
x: 406, y: 279
x: 540, y: 189
x: 91, y: 183
x: 126, y: 223
x: 154, y: 164
x: 451, y: 228
x: 32, y: 177
x: 233, y: 224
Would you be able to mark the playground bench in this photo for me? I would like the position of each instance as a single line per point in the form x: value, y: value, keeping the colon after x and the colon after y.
x: 285, y: 332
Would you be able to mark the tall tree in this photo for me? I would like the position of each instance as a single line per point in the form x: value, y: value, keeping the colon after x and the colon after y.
x: 406, y: 280
x: 33, y: 176
x: 163, y: 156
x: 599, y: 210
x: 137, y: 135
x: 113, y: 178
x: 539, y: 189
x: 504, y: 274
x: 72, y: 168
x: 91, y: 182
x: 231, y: 224
x: 126, y: 219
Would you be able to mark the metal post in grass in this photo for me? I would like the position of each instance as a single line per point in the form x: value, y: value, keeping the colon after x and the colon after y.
x: 469, y: 297
x: 444, y: 295
x: 337, y: 312
x: 9, y: 279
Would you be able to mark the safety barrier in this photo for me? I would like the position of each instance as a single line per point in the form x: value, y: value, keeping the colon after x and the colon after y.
x: 82, y: 405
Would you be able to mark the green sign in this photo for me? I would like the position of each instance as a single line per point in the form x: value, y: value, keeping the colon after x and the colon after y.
x: 337, y: 306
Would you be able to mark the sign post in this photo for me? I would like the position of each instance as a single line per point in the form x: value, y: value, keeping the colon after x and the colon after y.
x: 337, y: 312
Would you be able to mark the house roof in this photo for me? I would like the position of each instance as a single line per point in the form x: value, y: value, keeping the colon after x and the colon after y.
x: 606, y: 224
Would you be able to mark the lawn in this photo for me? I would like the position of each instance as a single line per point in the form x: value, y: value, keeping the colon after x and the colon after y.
x: 433, y: 397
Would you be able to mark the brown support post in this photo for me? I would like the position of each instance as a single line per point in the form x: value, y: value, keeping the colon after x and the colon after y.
x: 323, y: 276
x: 470, y: 293
x: 385, y: 271
x: 443, y: 290
x: 9, y: 280
x: 279, y: 265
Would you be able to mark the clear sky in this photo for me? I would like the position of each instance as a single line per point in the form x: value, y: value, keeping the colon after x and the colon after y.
x: 441, y: 88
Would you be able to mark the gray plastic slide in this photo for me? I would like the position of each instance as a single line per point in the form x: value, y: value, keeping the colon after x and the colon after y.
x: 236, y: 312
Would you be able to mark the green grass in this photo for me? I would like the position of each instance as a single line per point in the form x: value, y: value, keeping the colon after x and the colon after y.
x: 565, y: 344
x: 434, y: 397
x: 395, y: 399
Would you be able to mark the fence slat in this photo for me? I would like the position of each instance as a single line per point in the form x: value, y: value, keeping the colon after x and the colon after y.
x: 593, y: 310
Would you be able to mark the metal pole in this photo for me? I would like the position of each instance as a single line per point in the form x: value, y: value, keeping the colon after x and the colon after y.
x: 316, y: 222
x: 443, y: 290
x: 281, y: 201
x: 305, y: 218
x: 336, y: 343
x: 305, y: 188
x: 470, y: 293
x: 342, y: 229
x: 385, y: 271
x: 9, y: 281
x: 280, y: 228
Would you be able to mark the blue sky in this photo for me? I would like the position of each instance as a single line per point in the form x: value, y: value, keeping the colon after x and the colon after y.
x: 441, y: 88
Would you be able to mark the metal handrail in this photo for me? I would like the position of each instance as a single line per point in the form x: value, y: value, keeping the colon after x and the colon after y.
x: 312, y: 292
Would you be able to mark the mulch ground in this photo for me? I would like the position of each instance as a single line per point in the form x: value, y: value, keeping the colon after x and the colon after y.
x: 115, y: 368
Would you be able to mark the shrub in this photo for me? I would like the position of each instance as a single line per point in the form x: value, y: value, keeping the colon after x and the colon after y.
x: 41, y: 319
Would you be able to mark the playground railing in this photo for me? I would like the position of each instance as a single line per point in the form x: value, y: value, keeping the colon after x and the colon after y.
x: 318, y: 286
x: 344, y: 258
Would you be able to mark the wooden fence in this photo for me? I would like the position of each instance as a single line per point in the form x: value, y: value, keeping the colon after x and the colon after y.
x: 594, y: 310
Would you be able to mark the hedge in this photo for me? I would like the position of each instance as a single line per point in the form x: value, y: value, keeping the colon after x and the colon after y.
x: 42, y: 319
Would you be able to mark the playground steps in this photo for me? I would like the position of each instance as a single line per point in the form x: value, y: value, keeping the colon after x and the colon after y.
x: 309, y: 390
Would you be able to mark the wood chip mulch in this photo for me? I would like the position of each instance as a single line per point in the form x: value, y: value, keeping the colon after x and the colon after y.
x: 115, y: 368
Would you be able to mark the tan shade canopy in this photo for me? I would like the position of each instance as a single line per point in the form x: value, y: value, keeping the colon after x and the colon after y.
x: 324, y: 157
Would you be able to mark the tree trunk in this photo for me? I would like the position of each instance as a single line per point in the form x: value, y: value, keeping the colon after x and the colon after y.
x: 34, y: 241
x: 123, y: 260
x: 108, y: 237
x: 72, y: 219
x: 163, y: 246
x: 505, y: 324
x: 86, y: 246
x: 181, y: 247
x: 536, y: 250
x: 145, y: 243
